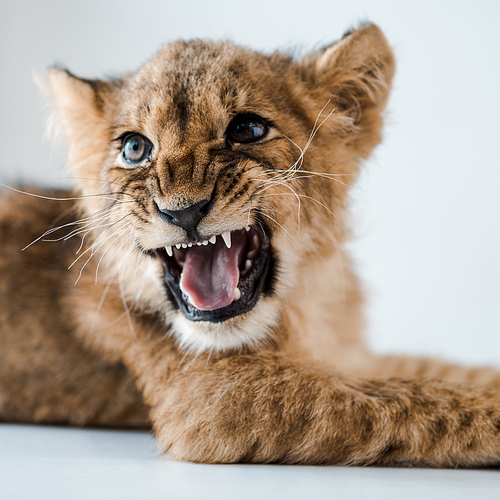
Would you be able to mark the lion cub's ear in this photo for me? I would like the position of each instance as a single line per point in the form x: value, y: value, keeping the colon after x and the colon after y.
x: 84, y: 110
x: 81, y: 105
x: 355, y: 75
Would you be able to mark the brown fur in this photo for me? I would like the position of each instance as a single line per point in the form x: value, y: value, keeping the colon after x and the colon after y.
x: 289, y: 381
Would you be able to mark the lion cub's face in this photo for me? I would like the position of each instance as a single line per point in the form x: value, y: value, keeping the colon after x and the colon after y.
x: 217, y: 181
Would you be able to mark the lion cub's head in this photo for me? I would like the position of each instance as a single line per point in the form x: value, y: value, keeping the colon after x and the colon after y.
x: 211, y: 176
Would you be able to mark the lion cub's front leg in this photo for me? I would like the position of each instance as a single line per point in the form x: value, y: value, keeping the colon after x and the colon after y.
x: 261, y: 409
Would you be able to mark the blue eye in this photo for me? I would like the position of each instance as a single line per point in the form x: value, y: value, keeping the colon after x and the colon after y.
x: 245, y: 129
x: 136, y: 148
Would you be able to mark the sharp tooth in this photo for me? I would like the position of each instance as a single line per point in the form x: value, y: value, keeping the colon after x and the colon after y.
x: 198, y: 243
x: 190, y: 245
x: 204, y: 243
x: 178, y: 246
x: 184, y: 245
x: 213, y: 239
x: 227, y: 238
x: 247, y: 229
x: 237, y: 294
x: 248, y: 265
x: 169, y: 251
x: 252, y: 254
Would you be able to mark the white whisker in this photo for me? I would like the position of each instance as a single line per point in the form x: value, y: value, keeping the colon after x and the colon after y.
x: 276, y: 222
x: 72, y: 198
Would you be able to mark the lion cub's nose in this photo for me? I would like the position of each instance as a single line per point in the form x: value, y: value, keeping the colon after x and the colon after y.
x: 187, y: 218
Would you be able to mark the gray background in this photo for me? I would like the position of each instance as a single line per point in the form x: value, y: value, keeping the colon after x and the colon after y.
x: 427, y: 206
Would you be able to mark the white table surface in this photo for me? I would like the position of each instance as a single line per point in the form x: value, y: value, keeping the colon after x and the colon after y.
x: 60, y: 463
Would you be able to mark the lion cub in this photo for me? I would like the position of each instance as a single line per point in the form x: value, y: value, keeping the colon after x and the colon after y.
x: 199, y: 266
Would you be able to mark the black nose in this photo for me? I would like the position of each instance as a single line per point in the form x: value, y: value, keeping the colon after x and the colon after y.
x: 187, y: 218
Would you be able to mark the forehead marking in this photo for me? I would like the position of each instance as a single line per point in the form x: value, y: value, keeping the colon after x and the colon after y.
x: 181, y: 105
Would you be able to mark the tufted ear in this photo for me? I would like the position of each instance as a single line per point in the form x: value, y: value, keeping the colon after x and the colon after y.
x: 84, y: 113
x: 81, y: 105
x: 355, y: 76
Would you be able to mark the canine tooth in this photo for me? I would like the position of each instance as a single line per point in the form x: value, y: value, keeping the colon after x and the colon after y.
x: 169, y: 251
x: 178, y: 246
x: 184, y: 245
x: 227, y: 238
x: 213, y: 239
x: 204, y: 243
x: 248, y: 264
x: 237, y: 294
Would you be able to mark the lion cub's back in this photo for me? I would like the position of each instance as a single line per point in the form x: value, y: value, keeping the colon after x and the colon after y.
x: 45, y: 374
x: 23, y: 220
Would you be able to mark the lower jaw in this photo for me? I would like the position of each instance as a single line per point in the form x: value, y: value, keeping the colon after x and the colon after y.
x: 237, y: 334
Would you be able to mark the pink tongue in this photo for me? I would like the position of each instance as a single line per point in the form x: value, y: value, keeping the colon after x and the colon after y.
x: 210, y: 274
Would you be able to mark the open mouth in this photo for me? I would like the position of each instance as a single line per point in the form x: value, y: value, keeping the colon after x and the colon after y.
x: 219, y: 278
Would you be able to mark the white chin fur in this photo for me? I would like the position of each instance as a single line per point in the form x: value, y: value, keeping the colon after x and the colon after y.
x: 237, y: 333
